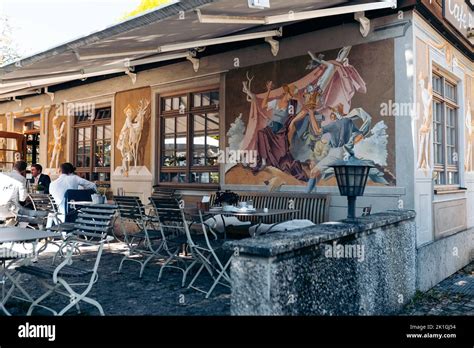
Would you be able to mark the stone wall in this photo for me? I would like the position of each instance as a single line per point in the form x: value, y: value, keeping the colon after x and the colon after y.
x: 363, y: 268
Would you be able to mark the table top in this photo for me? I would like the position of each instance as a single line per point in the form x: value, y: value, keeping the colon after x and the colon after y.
x: 258, y: 212
x: 80, y: 202
x: 18, y: 234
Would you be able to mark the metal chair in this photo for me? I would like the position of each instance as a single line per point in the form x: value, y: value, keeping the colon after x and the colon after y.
x: 206, y: 250
x: 74, y: 282
x: 147, y: 243
x: 175, y: 231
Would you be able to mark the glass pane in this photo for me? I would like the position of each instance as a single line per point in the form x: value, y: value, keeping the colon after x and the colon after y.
x: 168, y: 159
x: 450, y: 91
x: 99, y: 154
x: 206, y: 99
x: 213, y: 122
x: 169, y: 125
x: 437, y: 84
x: 99, y: 132
x: 167, y: 104
x: 169, y: 143
x: 183, y: 103
x: 215, y: 98
x: 173, y: 177
x: 181, y: 125
x: 199, y: 124
x: 107, y: 132
x: 453, y: 178
x: 197, y: 100
x: 176, y: 103
x: 107, y: 153
x: 87, y: 134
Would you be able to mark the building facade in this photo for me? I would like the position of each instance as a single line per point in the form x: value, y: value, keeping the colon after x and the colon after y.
x: 401, y: 96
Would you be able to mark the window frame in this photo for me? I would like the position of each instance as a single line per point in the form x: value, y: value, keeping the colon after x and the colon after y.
x: 190, y: 112
x: 440, y: 97
x: 93, y: 124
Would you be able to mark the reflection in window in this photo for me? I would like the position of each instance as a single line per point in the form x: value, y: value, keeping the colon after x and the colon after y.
x: 190, y: 138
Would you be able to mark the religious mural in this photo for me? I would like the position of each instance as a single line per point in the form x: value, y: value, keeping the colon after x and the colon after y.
x: 295, y: 117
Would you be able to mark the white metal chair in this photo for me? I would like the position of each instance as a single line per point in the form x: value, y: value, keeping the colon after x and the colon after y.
x: 148, y: 242
x: 71, y: 281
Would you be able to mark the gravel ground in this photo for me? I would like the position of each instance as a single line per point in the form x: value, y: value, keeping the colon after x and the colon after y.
x: 127, y: 294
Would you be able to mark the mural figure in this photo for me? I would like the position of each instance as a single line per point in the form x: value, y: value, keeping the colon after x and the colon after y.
x: 58, y: 134
x: 343, y: 135
x: 131, y: 133
x: 299, y: 129
x: 470, y: 139
x: 425, y: 129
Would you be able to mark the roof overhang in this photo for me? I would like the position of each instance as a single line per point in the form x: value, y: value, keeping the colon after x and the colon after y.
x: 179, y: 30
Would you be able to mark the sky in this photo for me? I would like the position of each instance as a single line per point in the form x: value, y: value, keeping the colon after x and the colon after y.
x: 42, y: 24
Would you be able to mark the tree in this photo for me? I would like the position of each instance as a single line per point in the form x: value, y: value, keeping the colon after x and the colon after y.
x: 144, y: 6
x: 8, y: 48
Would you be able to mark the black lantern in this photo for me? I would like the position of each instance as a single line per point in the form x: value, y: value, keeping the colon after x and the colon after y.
x: 351, y: 178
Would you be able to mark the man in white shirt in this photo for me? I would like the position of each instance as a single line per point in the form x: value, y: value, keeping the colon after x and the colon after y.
x: 67, y: 181
x: 12, y: 190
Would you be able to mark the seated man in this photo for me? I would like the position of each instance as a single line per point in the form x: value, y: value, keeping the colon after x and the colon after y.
x: 12, y: 191
x: 67, y: 181
x: 38, y: 178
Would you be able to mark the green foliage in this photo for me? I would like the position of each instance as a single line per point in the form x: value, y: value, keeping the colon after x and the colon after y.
x: 8, y: 49
x: 145, y: 5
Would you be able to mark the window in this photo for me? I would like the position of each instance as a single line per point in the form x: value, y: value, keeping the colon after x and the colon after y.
x: 190, y: 138
x: 93, y: 145
x: 445, y: 131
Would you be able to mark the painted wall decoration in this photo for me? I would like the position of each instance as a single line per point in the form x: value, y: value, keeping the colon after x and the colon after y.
x: 424, y: 131
x: 132, y: 128
x: 295, y: 117
x: 469, y: 122
x: 57, y: 137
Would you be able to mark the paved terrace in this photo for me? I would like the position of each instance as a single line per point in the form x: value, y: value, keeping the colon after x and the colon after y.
x: 126, y: 294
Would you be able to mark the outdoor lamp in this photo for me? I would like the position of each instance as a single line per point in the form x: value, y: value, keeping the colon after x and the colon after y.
x: 351, y: 178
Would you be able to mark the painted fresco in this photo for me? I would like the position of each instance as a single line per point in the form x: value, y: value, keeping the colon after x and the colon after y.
x: 57, y: 137
x: 132, y: 131
x: 292, y: 119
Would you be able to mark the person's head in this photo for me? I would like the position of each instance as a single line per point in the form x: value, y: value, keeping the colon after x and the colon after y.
x: 67, y: 168
x: 128, y: 111
x: 20, y: 167
x: 36, y: 169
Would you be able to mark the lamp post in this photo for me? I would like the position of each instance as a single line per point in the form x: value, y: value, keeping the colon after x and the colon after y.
x: 351, y: 178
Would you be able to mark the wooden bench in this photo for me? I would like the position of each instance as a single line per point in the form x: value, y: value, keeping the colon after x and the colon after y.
x: 313, y: 207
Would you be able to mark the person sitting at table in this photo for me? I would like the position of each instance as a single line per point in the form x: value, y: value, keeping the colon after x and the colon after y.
x: 38, y: 178
x: 13, y: 188
x: 68, y: 181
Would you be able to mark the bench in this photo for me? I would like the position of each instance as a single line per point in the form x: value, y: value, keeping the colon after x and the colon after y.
x: 313, y: 207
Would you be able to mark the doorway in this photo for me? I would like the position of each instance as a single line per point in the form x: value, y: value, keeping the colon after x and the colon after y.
x: 31, y: 130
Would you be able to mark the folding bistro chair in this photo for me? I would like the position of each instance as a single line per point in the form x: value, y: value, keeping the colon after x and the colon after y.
x: 66, y: 279
x: 147, y: 243
x: 206, y: 250
x: 175, y: 230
